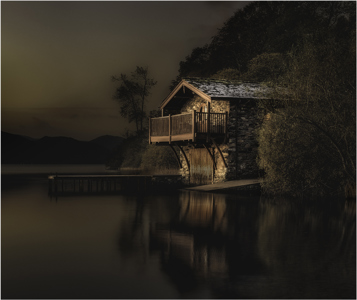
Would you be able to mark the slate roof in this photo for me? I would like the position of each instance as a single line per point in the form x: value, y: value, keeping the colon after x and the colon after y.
x: 229, y: 89
x: 209, y: 89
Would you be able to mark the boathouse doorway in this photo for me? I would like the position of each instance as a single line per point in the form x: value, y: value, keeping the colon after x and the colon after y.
x: 201, y: 170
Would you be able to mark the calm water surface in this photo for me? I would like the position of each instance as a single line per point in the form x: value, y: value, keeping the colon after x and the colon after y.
x: 183, y: 245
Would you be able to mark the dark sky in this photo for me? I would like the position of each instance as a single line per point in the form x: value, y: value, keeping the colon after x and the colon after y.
x: 57, y: 59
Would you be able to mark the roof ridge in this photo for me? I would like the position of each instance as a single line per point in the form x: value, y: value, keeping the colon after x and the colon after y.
x: 200, y: 79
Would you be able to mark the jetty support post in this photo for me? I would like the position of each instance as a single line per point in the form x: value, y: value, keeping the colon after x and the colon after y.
x: 220, y: 152
x: 149, y: 130
x: 193, y: 125
x: 211, y: 155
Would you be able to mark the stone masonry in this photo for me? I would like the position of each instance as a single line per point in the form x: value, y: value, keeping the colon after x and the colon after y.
x: 240, y: 151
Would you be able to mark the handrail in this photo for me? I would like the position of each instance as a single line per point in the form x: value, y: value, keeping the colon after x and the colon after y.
x: 187, y: 125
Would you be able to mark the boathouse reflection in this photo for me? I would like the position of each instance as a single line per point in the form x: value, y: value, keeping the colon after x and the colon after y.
x: 244, y: 248
x: 196, y: 237
x: 206, y: 242
x: 203, y: 210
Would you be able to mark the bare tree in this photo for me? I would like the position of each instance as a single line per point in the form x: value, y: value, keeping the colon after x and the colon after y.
x: 132, y: 95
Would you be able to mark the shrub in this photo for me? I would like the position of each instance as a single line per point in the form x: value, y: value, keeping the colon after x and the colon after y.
x: 308, y: 145
x: 158, y: 158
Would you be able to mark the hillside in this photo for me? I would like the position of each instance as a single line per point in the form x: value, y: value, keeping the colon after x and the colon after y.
x: 16, y: 149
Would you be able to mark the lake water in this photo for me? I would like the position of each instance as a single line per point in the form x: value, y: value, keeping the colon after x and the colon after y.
x: 179, y: 245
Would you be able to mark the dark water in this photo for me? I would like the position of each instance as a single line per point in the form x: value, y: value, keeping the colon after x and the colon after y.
x: 183, y: 245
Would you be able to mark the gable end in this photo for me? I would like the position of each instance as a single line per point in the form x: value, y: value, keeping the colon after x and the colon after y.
x: 184, y: 83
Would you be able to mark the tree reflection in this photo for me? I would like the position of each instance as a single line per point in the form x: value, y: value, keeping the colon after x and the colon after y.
x: 131, y: 234
x: 246, y: 247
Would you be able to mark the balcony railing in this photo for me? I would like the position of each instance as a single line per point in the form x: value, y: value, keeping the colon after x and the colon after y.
x: 189, y: 126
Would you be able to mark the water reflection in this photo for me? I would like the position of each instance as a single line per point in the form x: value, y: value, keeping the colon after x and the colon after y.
x: 309, y: 247
x: 181, y: 245
x: 247, y: 248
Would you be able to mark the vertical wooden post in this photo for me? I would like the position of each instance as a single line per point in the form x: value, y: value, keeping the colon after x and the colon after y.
x: 169, y: 128
x: 193, y: 125
x: 149, y: 130
x: 208, y: 122
x: 225, y: 127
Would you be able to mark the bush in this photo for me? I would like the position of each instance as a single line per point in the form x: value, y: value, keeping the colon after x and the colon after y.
x: 297, y: 159
x: 308, y: 146
x: 158, y: 158
x: 129, y: 155
x: 137, y: 153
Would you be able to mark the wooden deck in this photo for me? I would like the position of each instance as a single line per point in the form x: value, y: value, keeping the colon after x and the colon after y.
x: 225, y: 185
x: 188, y: 127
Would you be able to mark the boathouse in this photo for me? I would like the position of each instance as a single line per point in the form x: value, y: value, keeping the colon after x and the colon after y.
x: 210, y: 125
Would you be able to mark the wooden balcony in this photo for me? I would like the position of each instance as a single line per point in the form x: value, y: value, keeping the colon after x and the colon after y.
x: 195, y: 127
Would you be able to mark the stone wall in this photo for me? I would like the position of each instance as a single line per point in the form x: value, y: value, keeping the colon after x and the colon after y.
x: 242, y: 143
x: 184, y: 171
x: 193, y: 104
x: 240, y: 151
x: 220, y: 106
x: 217, y: 106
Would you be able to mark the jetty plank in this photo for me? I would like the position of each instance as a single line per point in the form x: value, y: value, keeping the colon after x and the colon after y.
x: 67, y: 184
x: 225, y: 185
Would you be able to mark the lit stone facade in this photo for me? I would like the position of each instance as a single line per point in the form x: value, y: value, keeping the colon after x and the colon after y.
x: 240, y: 149
x: 230, y: 154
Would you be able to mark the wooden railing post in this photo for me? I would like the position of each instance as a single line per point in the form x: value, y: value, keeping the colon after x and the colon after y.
x: 208, y: 123
x: 204, y: 125
x: 169, y: 128
x: 225, y: 127
x: 193, y: 125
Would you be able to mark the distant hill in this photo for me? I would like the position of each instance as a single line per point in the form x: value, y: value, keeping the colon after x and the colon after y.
x: 16, y: 149
x: 108, y: 141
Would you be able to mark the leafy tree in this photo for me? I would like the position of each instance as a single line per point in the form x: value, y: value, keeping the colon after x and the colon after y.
x: 227, y: 74
x: 308, y: 145
x: 266, y: 67
x: 132, y: 95
x: 267, y: 27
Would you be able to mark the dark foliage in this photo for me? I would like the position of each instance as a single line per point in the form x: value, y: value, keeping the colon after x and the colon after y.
x: 307, y: 51
x: 266, y: 27
x: 308, y: 146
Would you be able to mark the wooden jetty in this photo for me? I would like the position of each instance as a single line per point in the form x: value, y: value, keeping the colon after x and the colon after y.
x: 92, y: 184
x: 225, y: 185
